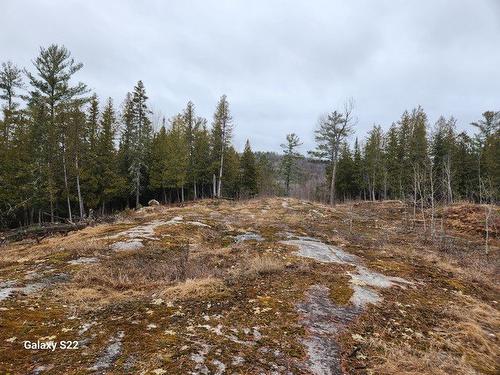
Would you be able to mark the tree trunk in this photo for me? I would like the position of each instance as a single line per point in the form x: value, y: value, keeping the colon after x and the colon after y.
x: 332, y: 183
x: 137, y: 187
x: 80, y: 199
x: 219, y: 188
x: 182, y: 193
x: 66, y: 186
x: 51, y: 195
x: 195, y: 192
x: 214, y: 186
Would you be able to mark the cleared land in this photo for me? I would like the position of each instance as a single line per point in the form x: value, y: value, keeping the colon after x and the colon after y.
x: 262, y: 286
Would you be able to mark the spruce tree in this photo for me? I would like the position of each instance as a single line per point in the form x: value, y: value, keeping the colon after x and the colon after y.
x: 248, y: 172
x: 177, y: 157
x: 109, y: 181
x: 221, y: 138
x: 142, y: 132
x: 158, y: 176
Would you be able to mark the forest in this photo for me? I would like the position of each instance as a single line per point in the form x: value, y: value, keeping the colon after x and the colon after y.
x: 66, y: 154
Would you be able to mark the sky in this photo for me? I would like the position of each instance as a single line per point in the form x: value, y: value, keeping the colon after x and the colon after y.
x: 282, y: 63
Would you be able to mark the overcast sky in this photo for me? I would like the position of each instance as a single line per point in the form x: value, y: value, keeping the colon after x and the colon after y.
x: 281, y: 63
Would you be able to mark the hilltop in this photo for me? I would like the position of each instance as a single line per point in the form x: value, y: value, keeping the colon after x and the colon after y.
x: 269, y: 285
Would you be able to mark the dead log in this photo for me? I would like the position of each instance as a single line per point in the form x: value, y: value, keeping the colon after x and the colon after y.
x: 39, y: 232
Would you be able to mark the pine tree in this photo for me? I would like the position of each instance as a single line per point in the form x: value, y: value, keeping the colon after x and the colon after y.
x: 248, y: 172
x: 177, y: 158
x: 221, y: 137
x: 125, y: 149
x: 10, y: 81
x: 266, y: 176
x: 289, y: 161
x: 110, y: 183
x: 392, y: 162
x: 333, y: 129
x: 158, y: 177
x: 374, y: 161
x: 190, y: 128
x: 231, y: 173
x: 51, y: 87
x: 345, y: 182
x: 488, y: 143
x: 141, y: 139
x: 201, y: 160
x: 442, y: 152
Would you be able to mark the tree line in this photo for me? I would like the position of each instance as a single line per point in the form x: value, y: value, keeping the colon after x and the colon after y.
x: 411, y: 161
x: 65, y: 154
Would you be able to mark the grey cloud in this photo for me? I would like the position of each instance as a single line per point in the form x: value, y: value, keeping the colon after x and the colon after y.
x: 282, y: 63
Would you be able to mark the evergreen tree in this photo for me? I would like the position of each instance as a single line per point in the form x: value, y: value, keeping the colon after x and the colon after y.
x: 201, y: 160
x: 10, y: 81
x: 177, y: 157
x: 12, y: 164
x: 289, y: 161
x: 142, y: 132
x: 231, y: 173
x: 125, y: 150
x: 221, y: 137
x: 357, y: 174
x: 392, y: 161
x: 248, y: 172
x: 266, y: 176
x: 109, y: 181
x: 333, y: 129
x: 374, y: 161
x: 488, y: 155
x: 441, y: 153
x: 345, y: 181
x: 51, y: 87
x: 158, y: 177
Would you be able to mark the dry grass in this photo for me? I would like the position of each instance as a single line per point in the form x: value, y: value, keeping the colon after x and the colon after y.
x: 261, y: 265
x: 137, y: 270
x: 468, y: 343
x: 194, y: 289
x: 406, y: 360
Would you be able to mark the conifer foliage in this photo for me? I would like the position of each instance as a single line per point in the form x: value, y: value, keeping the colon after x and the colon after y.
x: 66, y: 155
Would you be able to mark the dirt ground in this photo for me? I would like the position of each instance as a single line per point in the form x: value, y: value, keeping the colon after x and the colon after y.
x: 265, y: 286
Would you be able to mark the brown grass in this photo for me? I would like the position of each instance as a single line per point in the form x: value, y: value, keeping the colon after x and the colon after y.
x: 468, y: 343
x: 194, y: 289
x: 261, y: 265
x: 135, y: 270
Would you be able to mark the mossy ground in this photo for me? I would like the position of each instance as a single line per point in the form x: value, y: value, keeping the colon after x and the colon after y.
x: 224, y: 314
